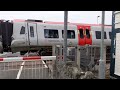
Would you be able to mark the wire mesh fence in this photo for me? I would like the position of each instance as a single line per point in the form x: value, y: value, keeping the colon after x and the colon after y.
x: 64, y: 69
x: 32, y: 69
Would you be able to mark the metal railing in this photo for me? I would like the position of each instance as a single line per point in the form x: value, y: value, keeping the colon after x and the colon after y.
x: 27, y: 69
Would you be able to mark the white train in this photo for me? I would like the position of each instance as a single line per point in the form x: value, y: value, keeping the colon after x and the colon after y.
x: 24, y: 35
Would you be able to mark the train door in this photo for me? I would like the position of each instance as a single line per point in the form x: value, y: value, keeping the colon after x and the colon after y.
x: 32, y: 34
x: 88, y: 37
x: 81, y: 35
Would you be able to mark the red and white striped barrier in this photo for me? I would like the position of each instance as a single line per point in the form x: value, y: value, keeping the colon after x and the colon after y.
x: 10, y: 59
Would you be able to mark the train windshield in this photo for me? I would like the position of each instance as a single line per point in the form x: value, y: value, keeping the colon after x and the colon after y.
x: 22, y: 31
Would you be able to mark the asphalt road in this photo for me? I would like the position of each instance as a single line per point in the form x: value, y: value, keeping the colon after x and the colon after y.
x: 30, y: 70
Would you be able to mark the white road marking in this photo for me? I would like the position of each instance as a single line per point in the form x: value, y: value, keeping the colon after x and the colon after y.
x: 44, y: 64
x: 20, y: 70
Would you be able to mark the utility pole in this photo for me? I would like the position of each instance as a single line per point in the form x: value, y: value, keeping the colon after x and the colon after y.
x: 102, y: 61
x: 65, y: 36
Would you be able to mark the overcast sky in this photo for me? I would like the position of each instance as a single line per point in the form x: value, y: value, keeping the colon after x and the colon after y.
x: 58, y: 16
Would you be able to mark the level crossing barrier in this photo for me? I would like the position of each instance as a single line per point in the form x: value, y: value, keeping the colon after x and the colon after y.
x: 32, y: 67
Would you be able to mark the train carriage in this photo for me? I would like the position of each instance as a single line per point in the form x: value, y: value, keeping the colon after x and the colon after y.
x: 32, y: 35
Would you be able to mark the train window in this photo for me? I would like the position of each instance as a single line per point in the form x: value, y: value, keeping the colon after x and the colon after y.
x: 98, y: 35
x: 87, y: 33
x: 105, y: 36
x: 110, y: 35
x: 81, y: 33
x: 31, y: 31
x: 70, y: 34
x: 51, y: 33
x: 22, y: 31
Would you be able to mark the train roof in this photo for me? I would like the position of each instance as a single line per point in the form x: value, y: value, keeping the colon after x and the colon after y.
x: 85, y: 24
x: 52, y: 22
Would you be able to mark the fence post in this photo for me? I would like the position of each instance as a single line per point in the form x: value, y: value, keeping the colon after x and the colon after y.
x: 53, y: 50
x: 61, y: 56
x: 54, y: 64
x: 78, y: 56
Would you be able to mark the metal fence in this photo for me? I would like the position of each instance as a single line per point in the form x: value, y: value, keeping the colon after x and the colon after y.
x: 26, y: 69
x: 64, y: 70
